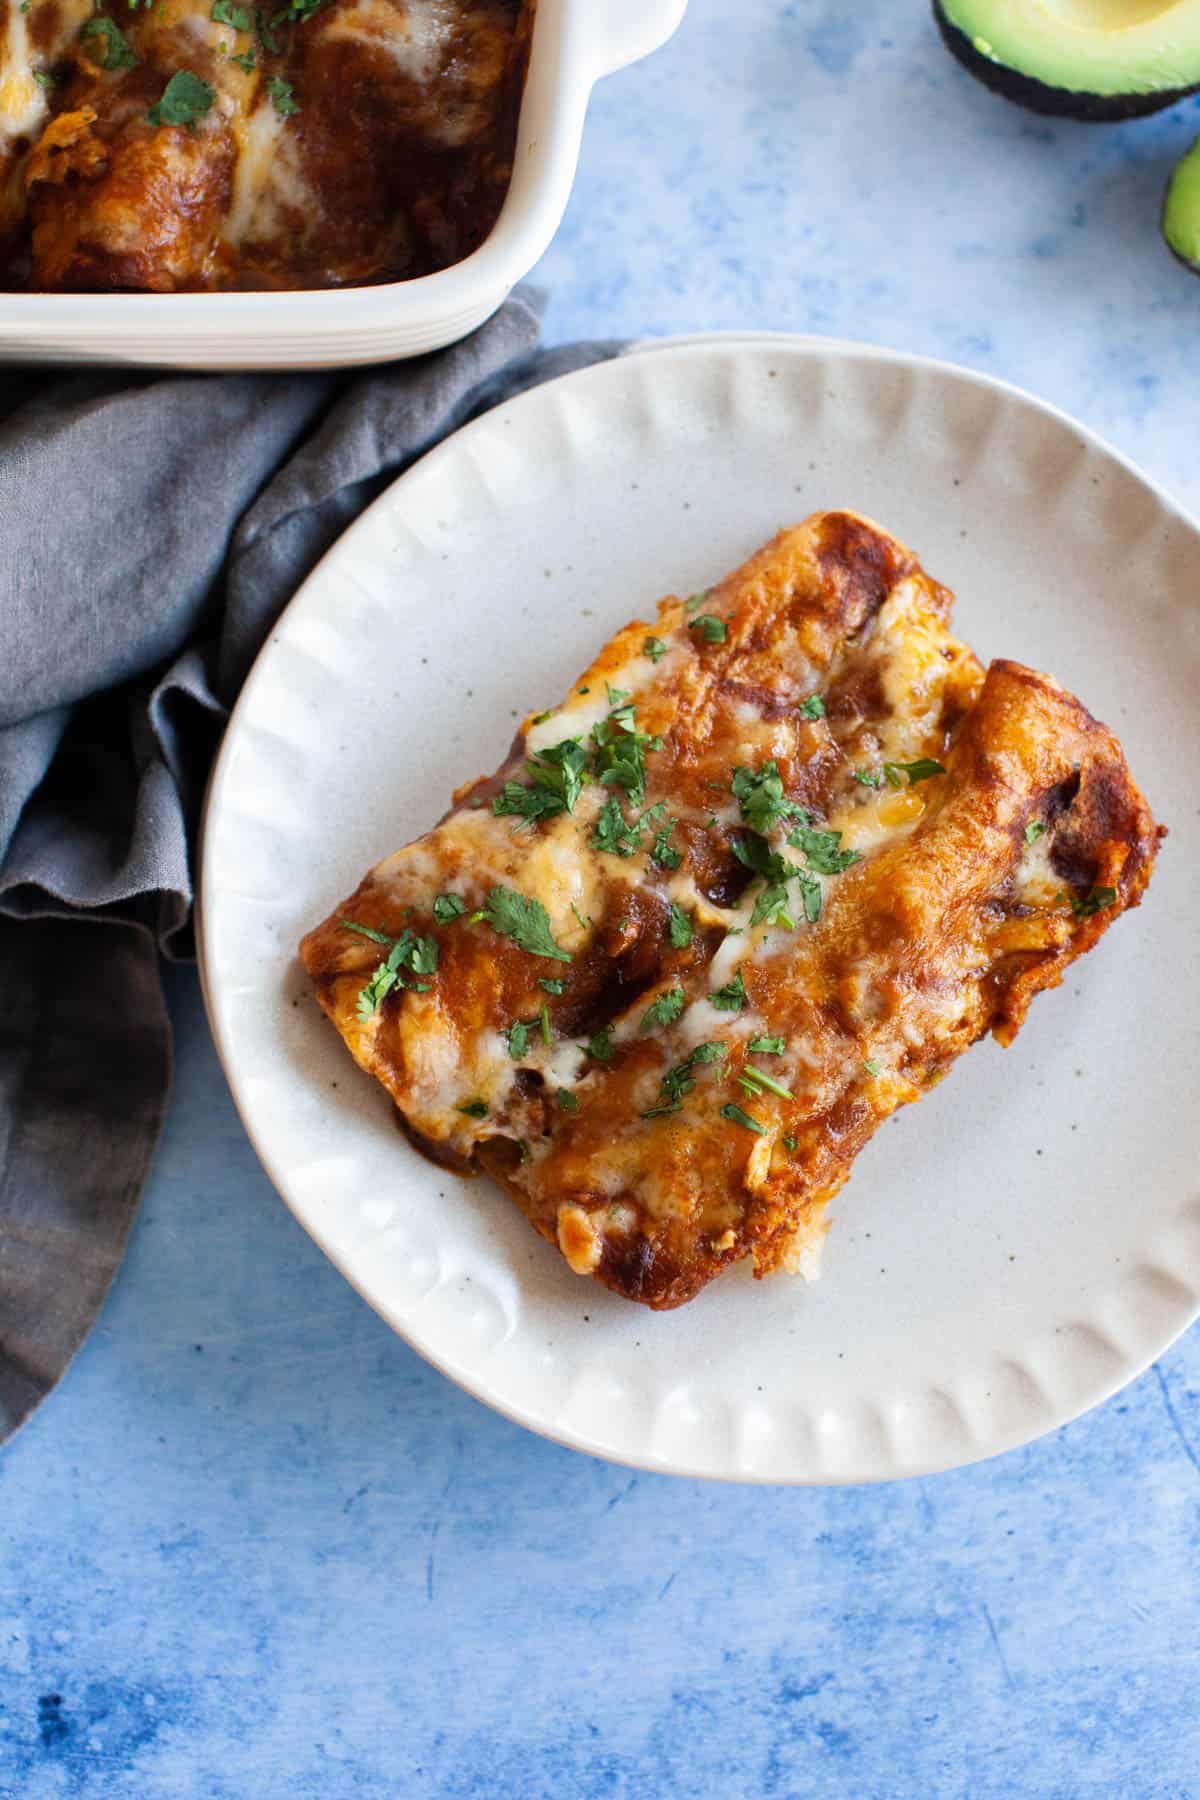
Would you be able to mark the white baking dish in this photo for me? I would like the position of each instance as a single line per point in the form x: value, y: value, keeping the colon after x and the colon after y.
x: 575, y: 42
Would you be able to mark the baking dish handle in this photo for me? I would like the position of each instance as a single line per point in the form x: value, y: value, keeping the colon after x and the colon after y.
x: 624, y: 31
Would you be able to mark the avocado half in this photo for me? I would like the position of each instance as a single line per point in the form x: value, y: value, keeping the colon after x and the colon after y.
x: 1080, y: 59
x: 1181, y: 210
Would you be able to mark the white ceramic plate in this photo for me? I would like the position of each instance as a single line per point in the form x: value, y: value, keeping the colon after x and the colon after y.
x: 1008, y: 1252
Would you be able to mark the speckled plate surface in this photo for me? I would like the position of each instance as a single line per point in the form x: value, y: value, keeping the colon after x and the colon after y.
x: 1008, y: 1252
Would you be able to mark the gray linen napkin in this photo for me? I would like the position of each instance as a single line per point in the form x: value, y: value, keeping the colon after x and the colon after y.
x: 154, y: 526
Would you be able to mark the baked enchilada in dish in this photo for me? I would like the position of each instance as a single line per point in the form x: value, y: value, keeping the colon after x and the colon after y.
x: 205, y: 144
x: 771, y: 866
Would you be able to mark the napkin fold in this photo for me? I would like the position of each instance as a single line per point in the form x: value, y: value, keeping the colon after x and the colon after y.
x: 154, y: 528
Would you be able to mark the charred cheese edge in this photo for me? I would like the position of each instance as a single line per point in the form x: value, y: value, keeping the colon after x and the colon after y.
x: 939, y: 842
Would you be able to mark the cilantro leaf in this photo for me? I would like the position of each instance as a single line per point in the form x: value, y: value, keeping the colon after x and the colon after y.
x: 756, y: 1081
x: 555, y: 783
x: 821, y: 850
x: 761, y: 797
x: 1094, y: 901
x: 680, y: 1080
x: 614, y: 833
x: 600, y: 1047
x: 681, y: 927
x: 730, y: 1111
x: 447, y: 907
x: 921, y: 770
x: 732, y: 997
x: 810, y: 893
x: 266, y: 35
x: 184, y: 100
x: 768, y: 1046
x: 225, y: 13
x: 567, y: 1100
x: 663, y: 851
x: 871, y: 778
x: 367, y: 931
x: 754, y: 852
x: 551, y: 986
x: 248, y: 60
x: 871, y: 1066
x: 712, y: 629
x: 525, y: 921
x: 789, y: 1143
x: 417, y: 954
x: 283, y: 97
x: 665, y: 1010
x: 617, y: 696
x: 116, y: 52
x: 771, y: 907
x: 654, y: 648
x: 1034, y: 831
x: 694, y: 602
x: 518, y: 1039
x: 812, y: 708
x: 474, y: 1109
x: 619, y: 752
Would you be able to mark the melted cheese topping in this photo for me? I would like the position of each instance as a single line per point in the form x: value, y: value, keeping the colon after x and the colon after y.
x: 635, y: 1124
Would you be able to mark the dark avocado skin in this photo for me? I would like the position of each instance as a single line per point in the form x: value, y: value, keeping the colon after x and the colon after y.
x: 1038, y: 97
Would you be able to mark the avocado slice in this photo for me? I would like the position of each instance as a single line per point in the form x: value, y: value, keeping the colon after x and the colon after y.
x: 1181, y: 210
x: 1083, y: 59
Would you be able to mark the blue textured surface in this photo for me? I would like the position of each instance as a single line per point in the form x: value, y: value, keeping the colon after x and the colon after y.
x: 253, y: 1547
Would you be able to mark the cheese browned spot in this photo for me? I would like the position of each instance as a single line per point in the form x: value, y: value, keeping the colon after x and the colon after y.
x: 995, y: 834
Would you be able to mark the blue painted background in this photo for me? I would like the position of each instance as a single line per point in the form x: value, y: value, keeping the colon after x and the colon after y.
x: 253, y: 1547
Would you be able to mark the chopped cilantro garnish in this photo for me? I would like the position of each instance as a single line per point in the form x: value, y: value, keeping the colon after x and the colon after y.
x: 584, y: 923
x: 567, y: 1100
x: 871, y: 778
x: 810, y: 893
x: 758, y: 1080
x: 821, y: 850
x: 712, y: 629
x: 812, y: 708
x: 730, y: 1111
x: 665, y: 1010
x: 447, y: 907
x: 518, y: 1039
x: 283, y: 97
x: 768, y: 1046
x: 474, y: 1109
x: 771, y: 907
x: 663, y: 851
x: 525, y: 921
x: 681, y: 927
x: 761, y: 797
x: 116, y: 52
x: 367, y: 931
x: 225, y: 13
x: 619, y: 752
x: 555, y: 783
x: 614, y: 833
x: 695, y: 601
x: 871, y: 1066
x: 680, y: 1080
x: 184, y: 100
x: 617, y: 696
x: 921, y: 770
x: 789, y: 1143
x: 1034, y: 831
x: 44, y: 78
x: 1093, y: 901
x: 654, y: 648
x: 732, y: 997
x: 266, y: 36
x: 551, y: 986
x: 419, y: 955
x: 544, y: 1022
x: 600, y: 1047
x: 248, y: 60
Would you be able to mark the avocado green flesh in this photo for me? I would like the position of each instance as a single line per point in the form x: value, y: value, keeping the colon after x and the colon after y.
x: 1105, y: 47
x: 1181, y: 211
